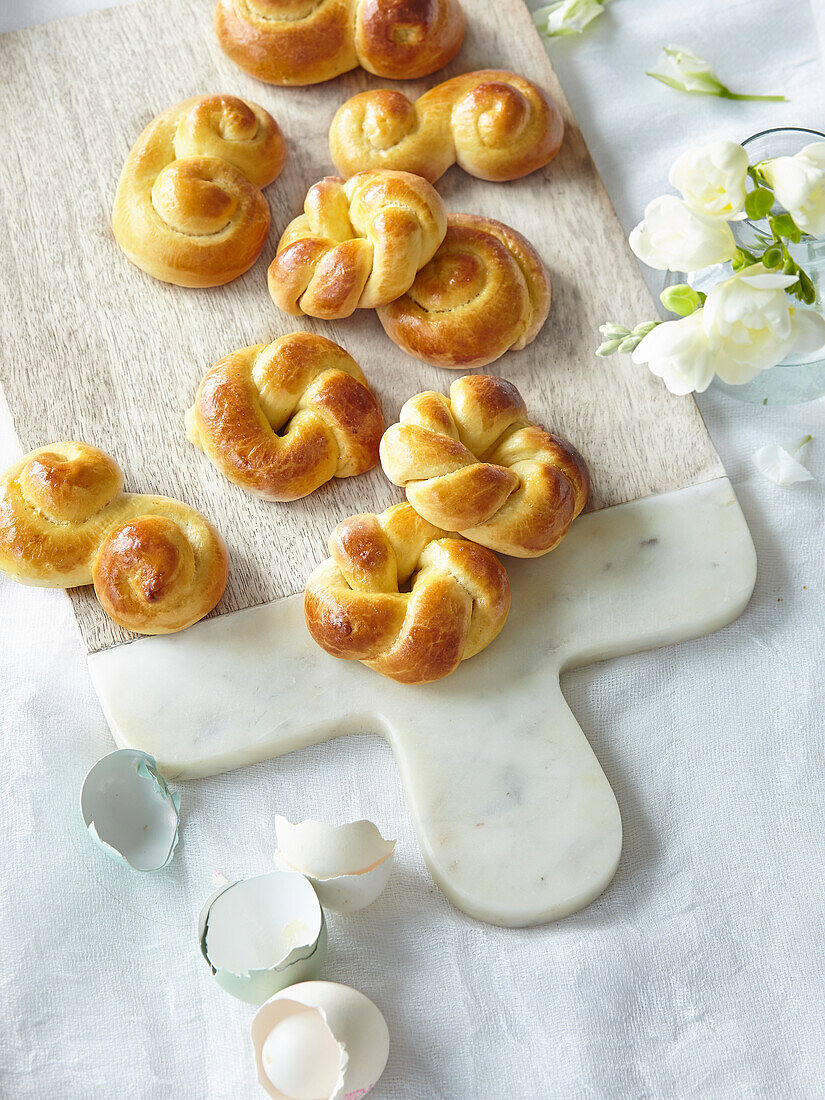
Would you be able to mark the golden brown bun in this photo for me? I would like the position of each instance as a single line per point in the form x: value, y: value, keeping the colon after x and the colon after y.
x: 483, y: 293
x: 358, y: 244
x: 157, y: 565
x: 281, y: 419
x: 189, y: 208
x: 496, y: 125
x: 475, y: 463
x: 457, y: 603
x: 307, y: 41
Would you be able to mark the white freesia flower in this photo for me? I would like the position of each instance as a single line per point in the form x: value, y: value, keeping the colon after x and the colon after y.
x: 712, y: 178
x: 680, y: 353
x: 673, y: 237
x: 567, y: 16
x: 681, y: 68
x: 751, y: 325
x: 782, y: 466
x: 799, y: 185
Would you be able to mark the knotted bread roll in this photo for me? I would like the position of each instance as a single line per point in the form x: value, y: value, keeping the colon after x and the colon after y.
x: 496, y: 125
x: 484, y: 292
x: 457, y: 601
x: 307, y: 41
x: 189, y: 208
x: 358, y: 244
x: 281, y: 419
x: 475, y: 463
x: 156, y: 564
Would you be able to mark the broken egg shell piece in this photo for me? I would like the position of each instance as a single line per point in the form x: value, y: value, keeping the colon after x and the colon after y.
x: 319, y: 1041
x: 349, y: 865
x: 262, y: 934
x: 129, y: 810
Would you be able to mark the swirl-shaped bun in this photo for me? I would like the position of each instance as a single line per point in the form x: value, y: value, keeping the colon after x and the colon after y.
x: 308, y: 41
x: 476, y: 464
x: 189, y: 208
x: 496, y: 125
x: 358, y: 244
x: 281, y: 419
x: 157, y: 565
x: 484, y: 292
x: 457, y: 603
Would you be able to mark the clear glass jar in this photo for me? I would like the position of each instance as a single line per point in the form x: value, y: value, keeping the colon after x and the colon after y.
x: 798, y: 378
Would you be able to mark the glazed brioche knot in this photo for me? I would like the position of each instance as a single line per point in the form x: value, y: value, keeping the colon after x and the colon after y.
x: 475, y: 463
x: 495, y: 124
x: 156, y: 564
x: 307, y: 41
x: 188, y: 207
x: 282, y: 419
x: 484, y: 292
x: 358, y: 244
x: 405, y: 597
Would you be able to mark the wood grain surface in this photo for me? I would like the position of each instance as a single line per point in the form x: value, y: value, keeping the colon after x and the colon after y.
x: 94, y: 349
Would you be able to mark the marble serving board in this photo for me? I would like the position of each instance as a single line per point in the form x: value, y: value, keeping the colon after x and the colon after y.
x: 96, y: 350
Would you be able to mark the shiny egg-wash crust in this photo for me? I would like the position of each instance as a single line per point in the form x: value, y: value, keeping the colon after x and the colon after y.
x: 358, y: 244
x: 475, y: 463
x: 281, y: 419
x: 484, y: 292
x: 457, y: 602
x: 188, y: 208
x: 496, y: 125
x: 310, y: 41
x: 157, y: 565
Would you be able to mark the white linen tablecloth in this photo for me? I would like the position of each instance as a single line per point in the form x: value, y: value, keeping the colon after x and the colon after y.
x: 698, y: 974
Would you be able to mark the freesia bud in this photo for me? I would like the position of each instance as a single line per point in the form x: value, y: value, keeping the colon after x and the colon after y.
x: 681, y: 299
x: 681, y: 68
x: 567, y: 16
x: 673, y: 237
x: 799, y: 185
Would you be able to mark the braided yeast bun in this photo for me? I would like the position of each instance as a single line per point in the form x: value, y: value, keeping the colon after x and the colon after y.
x: 157, y: 565
x: 484, y: 292
x: 475, y: 463
x: 457, y: 601
x: 496, y: 125
x: 281, y: 419
x: 358, y: 244
x: 307, y: 41
x: 189, y: 208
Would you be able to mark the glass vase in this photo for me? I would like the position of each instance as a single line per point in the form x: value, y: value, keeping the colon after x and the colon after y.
x: 799, y: 378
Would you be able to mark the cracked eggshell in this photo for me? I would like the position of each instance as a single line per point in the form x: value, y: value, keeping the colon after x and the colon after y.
x: 319, y: 1041
x: 129, y: 810
x: 349, y: 865
x: 262, y: 934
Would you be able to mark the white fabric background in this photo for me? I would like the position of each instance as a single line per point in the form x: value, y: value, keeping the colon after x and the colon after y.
x: 697, y: 974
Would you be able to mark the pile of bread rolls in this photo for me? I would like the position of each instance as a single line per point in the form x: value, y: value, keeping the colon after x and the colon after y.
x: 413, y: 591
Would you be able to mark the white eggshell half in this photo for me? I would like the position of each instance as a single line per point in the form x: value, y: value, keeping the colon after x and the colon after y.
x: 349, y: 865
x: 261, y: 934
x: 321, y: 1041
x: 129, y: 810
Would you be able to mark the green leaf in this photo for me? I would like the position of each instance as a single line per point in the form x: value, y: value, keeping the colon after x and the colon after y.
x: 784, y: 227
x: 758, y: 203
x: 681, y: 299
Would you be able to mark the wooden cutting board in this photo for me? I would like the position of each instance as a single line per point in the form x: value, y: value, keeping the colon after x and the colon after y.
x: 94, y: 349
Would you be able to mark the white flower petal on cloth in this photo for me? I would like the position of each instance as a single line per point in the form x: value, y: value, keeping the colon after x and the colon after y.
x: 567, y: 16
x: 779, y: 465
x: 683, y: 69
x: 712, y: 178
x: 674, y: 237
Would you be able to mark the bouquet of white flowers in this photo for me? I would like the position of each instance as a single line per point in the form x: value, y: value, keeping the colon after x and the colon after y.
x: 755, y: 318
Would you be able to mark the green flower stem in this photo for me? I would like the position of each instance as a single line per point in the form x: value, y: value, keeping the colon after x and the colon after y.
x: 726, y: 93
